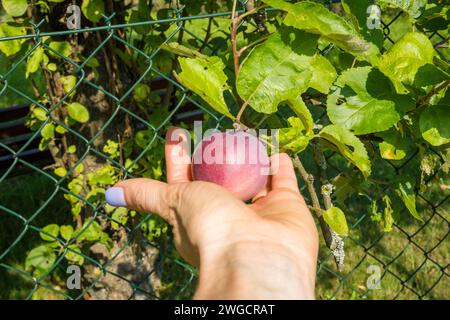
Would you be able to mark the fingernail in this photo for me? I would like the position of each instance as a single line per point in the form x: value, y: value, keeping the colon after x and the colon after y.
x: 115, y: 197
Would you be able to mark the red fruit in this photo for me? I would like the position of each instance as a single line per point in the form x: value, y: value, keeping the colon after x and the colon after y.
x: 237, y: 161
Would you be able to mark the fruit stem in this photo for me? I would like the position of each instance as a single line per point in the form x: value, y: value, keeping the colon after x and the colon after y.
x: 241, y: 111
x: 238, y: 126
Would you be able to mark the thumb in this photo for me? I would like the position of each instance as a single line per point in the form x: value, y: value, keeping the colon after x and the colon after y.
x: 141, y: 194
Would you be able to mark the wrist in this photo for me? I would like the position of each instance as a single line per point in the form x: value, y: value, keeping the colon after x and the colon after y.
x: 255, y: 270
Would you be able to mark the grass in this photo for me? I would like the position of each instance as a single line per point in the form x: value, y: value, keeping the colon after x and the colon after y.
x: 410, y: 267
x: 24, y: 195
x: 413, y: 259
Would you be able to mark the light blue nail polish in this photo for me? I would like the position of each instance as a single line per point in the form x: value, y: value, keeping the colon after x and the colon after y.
x: 115, y: 197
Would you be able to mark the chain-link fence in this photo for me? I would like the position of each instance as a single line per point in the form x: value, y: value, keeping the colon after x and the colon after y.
x: 412, y: 261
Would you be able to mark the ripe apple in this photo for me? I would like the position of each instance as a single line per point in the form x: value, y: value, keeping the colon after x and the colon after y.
x: 235, y: 160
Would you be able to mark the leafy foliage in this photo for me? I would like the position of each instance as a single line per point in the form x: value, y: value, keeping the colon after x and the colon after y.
x: 335, y: 218
x: 349, y: 145
x: 323, y: 79
x: 315, y: 18
x: 363, y: 102
x: 276, y: 71
x: 402, y: 61
x: 206, y: 78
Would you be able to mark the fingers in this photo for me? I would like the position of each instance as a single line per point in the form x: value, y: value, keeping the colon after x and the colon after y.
x: 178, y: 160
x: 145, y: 195
x: 283, y: 176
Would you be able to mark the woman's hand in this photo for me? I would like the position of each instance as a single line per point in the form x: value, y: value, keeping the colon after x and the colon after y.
x: 264, y: 250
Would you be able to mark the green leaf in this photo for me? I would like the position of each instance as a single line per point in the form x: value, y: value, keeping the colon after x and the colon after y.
x: 413, y: 8
x: 61, y: 130
x: 103, y: 176
x: 315, y: 18
x: 48, y: 131
x: 39, y: 113
x: 385, y: 218
x: 52, y: 230
x: 93, y: 9
x: 406, y: 193
x: 119, y: 217
x: 298, y: 106
x: 294, y: 139
x: 323, y: 73
x: 362, y: 101
x: 276, y: 70
x: 74, y: 256
x: 93, y: 231
x: 72, y: 149
x: 66, y: 232
x: 428, y: 75
x: 141, y: 92
x: 34, y: 61
x: 106, y: 240
x: 182, y: 51
x: 402, y: 61
x: 348, y: 145
x: 15, y: 8
x: 60, y: 172
x: 93, y: 63
x: 206, y: 78
x: 141, y: 14
x: 335, y: 218
x: 62, y: 47
x: 68, y: 83
x: 8, y: 29
x: 112, y: 149
x: 76, y: 209
x: 41, y: 259
x: 52, y: 67
x: 394, y: 146
x: 78, y: 112
x: 434, y: 124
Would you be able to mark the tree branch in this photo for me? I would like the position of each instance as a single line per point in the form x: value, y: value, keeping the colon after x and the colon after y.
x: 309, y: 181
x: 334, y: 241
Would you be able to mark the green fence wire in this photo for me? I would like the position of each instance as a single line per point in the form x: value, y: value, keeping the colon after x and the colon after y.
x: 412, y: 260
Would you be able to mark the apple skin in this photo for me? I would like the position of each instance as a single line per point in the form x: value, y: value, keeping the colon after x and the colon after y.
x: 242, y: 167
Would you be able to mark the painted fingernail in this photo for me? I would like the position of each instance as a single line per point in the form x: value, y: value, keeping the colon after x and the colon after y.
x: 115, y: 197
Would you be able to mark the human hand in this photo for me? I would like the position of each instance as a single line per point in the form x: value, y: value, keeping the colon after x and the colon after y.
x: 267, y: 249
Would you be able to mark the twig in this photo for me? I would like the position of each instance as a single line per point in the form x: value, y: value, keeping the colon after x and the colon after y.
x: 334, y: 241
x: 264, y: 118
x: 241, y: 111
x: 424, y: 100
x: 254, y: 43
x: 309, y: 181
x: 441, y: 43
